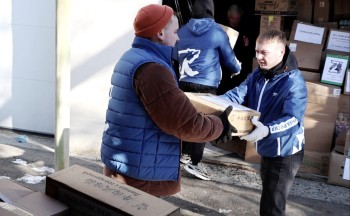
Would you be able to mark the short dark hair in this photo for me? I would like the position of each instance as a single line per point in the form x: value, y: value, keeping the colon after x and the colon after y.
x: 272, y: 35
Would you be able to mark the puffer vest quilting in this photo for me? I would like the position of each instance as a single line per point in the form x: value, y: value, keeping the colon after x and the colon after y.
x: 132, y: 144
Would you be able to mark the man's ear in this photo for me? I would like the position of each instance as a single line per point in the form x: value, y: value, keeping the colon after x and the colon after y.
x: 160, y: 35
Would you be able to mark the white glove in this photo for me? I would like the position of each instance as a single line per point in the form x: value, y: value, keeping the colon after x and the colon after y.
x: 258, y: 133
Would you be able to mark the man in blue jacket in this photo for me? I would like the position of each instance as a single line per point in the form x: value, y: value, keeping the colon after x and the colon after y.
x: 202, y: 46
x: 278, y: 91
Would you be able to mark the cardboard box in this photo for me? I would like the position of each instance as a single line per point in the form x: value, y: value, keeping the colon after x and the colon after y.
x: 90, y: 193
x: 347, y: 144
x: 236, y: 145
x: 321, y: 113
x: 36, y: 203
x: 338, y: 40
x: 338, y: 170
x: 231, y: 33
x: 278, y: 7
x: 251, y: 154
x: 240, y: 117
x: 311, y: 76
x: 321, y: 11
x: 340, y: 141
x: 344, y: 103
x: 316, y: 163
x: 324, y: 101
x: 313, y: 140
x: 318, y: 88
x: 304, y: 9
x: 268, y: 22
x: 334, y: 69
x: 341, y: 9
x: 308, y: 55
x: 7, y: 209
x: 308, y: 33
x: 244, y: 149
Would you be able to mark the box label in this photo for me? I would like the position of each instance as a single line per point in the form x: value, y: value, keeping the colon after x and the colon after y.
x: 334, y: 69
x: 309, y: 33
x: 339, y: 41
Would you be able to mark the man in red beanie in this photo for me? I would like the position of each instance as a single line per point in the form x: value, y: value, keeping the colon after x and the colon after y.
x: 148, y: 114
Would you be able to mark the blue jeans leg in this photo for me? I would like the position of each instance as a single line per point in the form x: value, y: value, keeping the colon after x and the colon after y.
x: 277, y: 175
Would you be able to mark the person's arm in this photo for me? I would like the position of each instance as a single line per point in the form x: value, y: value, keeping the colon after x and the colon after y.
x: 170, y: 108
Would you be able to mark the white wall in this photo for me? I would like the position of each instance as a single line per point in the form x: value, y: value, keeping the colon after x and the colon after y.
x: 102, y: 30
x: 27, y: 65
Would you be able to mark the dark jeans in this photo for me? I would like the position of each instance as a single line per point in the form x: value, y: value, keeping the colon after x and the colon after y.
x: 195, y: 150
x: 277, y: 175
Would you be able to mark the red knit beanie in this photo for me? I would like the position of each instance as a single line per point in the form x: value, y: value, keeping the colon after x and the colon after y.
x: 151, y: 19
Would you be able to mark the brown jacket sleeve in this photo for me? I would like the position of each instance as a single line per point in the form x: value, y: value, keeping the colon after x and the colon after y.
x: 170, y: 108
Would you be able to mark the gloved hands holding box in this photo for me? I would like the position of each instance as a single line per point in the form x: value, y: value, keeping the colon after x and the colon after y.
x: 258, y: 133
x: 228, y: 128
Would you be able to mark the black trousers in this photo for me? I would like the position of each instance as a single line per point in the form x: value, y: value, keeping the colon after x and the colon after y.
x: 195, y: 150
x: 277, y: 175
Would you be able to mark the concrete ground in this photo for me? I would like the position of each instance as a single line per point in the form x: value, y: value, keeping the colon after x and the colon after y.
x: 234, y: 189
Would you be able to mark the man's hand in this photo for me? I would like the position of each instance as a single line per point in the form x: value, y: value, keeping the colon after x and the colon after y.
x: 228, y: 128
x: 258, y: 133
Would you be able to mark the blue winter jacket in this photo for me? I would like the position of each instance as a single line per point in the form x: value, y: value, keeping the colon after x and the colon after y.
x: 202, y: 46
x: 132, y: 144
x: 281, y: 101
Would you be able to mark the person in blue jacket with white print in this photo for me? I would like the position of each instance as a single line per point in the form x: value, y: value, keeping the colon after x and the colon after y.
x: 278, y: 91
x: 202, y: 46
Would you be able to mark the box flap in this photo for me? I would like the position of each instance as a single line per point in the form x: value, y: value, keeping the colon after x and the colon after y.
x: 100, y: 190
x: 31, y: 201
x: 7, y: 209
x: 11, y: 191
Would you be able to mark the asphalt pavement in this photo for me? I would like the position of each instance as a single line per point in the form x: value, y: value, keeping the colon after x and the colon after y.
x: 234, y: 190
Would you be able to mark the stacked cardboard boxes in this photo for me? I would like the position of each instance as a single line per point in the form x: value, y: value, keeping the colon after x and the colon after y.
x: 339, y: 172
x: 320, y: 116
x: 274, y: 14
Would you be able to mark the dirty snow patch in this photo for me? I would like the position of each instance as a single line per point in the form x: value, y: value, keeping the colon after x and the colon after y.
x: 30, y: 179
x: 4, y: 177
x: 224, y: 211
x: 20, y: 161
x: 44, y: 169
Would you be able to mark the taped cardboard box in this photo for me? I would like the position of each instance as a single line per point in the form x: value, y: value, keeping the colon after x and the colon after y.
x: 27, y: 200
x: 240, y: 117
x: 89, y: 193
x: 280, y: 7
x: 339, y: 170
